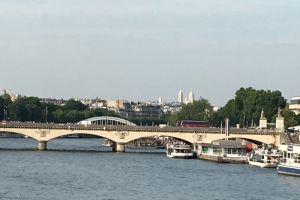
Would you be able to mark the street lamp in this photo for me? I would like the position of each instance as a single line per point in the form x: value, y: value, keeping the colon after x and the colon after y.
x: 4, y: 113
x: 46, y: 114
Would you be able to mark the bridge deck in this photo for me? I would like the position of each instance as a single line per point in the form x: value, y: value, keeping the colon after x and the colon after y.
x: 134, y: 128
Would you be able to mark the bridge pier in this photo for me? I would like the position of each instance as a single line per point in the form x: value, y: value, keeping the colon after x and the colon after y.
x: 42, y: 145
x: 118, y: 147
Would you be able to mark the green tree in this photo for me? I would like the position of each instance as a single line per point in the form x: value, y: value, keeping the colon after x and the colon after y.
x: 246, y: 107
x: 199, y: 110
x: 289, y: 118
x: 72, y: 104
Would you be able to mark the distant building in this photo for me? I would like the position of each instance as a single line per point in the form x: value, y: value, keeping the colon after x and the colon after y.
x: 215, y: 109
x: 12, y: 96
x: 115, y: 104
x: 98, y: 103
x: 295, y: 105
x: 58, y: 102
x: 190, y: 98
x: 173, y: 107
x: 147, y: 111
x: 160, y: 102
x: 180, y: 97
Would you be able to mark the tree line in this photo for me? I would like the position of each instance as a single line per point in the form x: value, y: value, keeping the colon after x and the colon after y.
x: 31, y: 109
x: 244, y: 109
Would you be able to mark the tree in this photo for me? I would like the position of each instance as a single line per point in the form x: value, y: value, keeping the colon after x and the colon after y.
x: 289, y: 118
x: 72, y: 104
x: 199, y: 110
x: 246, y: 107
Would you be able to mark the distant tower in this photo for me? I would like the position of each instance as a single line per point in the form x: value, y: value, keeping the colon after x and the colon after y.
x: 191, y: 97
x: 180, y: 96
x: 159, y: 101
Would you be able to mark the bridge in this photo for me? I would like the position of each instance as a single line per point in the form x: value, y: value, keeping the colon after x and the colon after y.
x: 106, y: 120
x: 123, y: 134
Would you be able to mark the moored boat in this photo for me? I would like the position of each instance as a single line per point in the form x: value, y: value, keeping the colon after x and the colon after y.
x: 179, y: 151
x: 265, y: 158
x: 107, y: 143
x: 290, y: 162
x: 222, y: 151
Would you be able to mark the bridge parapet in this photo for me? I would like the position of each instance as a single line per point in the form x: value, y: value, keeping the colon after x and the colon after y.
x: 124, y: 134
x: 135, y: 128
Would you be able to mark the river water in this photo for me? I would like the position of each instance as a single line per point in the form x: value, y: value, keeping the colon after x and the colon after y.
x: 83, y: 169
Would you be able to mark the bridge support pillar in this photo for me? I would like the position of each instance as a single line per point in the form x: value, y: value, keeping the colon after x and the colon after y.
x: 118, y: 147
x: 42, y: 145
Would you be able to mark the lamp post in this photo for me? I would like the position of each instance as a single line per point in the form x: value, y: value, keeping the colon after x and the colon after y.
x: 46, y: 114
x: 4, y: 113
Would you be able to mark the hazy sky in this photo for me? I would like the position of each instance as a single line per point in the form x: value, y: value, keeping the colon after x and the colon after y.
x: 143, y: 49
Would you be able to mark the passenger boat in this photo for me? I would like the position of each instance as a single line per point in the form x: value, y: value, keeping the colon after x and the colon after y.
x: 107, y: 143
x: 222, y: 151
x: 179, y: 151
x: 265, y: 158
x: 290, y: 162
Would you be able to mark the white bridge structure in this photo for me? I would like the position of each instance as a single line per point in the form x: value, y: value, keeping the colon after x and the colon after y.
x: 106, y: 120
x: 127, y: 132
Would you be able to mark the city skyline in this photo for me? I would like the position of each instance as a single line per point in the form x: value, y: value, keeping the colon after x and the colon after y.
x: 142, y: 50
x: 181, y: 98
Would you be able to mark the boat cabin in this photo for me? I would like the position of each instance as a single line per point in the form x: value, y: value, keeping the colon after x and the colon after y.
x: 290, y: 154
x: 290, y: 162
x: 223, y: 151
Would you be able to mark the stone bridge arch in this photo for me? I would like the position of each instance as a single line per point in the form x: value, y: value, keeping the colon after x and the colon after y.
x: 189, y: 139
x: 113, y: 136
x: 267, y: 139
x: 26, y: 133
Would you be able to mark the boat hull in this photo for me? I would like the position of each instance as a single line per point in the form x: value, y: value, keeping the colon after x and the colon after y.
x: 288, y: 170
x: 262, y: 165
x: 221, y: 159
x: 181, y: 156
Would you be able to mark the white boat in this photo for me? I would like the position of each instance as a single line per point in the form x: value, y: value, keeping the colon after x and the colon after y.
x: 290, y: 162
x: 107, y: 143
x: 179, y: 151
x: 265, y: 158
x: 222, y: 151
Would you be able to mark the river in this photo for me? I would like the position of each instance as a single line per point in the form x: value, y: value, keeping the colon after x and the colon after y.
x: 83, y: 169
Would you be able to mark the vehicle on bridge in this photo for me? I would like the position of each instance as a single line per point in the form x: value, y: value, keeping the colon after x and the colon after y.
x: 192, y: 124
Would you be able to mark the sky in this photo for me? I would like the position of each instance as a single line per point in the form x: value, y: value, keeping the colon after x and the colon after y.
x: 142, y: 50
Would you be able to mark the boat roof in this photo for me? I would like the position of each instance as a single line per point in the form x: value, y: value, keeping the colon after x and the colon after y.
x: 224, y: 144
x: 290, y: 147
x: 180, y: 146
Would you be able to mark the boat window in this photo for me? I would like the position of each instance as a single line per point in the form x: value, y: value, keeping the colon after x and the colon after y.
x: 289, y: 155
x: 228, y: 151
x: 284, y: 154
x: 204, y: 149
x: 217, y: 150
x: 239, y: 151
x: 234, y: 151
